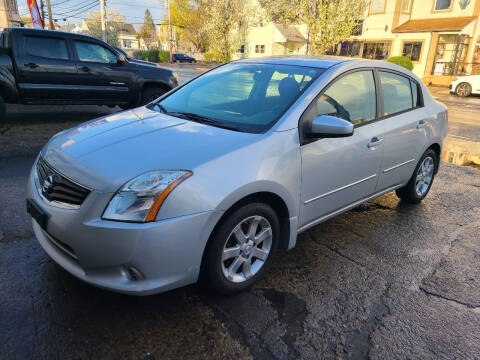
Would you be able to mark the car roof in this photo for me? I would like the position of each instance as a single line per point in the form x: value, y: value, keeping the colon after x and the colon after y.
x: 322, y: 62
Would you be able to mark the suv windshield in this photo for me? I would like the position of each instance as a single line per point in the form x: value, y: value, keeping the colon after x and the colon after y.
x: 242, y: 97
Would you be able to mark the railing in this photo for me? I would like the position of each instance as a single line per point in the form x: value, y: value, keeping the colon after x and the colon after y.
x: 456, y: 68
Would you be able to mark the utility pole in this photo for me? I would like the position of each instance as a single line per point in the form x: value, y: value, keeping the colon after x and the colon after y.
x: 170, y: 30
x: 103, y: 15
x: 50, y: 18
x: 42, y: 12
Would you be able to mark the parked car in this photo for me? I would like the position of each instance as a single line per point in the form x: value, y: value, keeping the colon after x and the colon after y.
x: 466, y: 85
x: 53, y: 67
x: 183, y: 58
x: 212, y: 178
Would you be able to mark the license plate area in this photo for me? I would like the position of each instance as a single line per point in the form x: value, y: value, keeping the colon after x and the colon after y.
x: 40, y: 216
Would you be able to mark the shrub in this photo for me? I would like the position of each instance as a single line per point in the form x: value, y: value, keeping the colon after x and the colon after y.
x: 402, y: 61
x: 147, y: 55
x: 164, y: 56
x: 209, y: 57
x: 152, y: 55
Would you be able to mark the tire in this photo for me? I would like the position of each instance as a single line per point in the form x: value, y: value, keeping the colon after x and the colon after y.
x: 3, y: 112
x: 422, y: 179
x: 463, y: 89
x: 151, y: 93
x: 225, y: 253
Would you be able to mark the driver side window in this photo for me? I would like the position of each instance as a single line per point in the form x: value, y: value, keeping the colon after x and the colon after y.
x: 352, y: 98
x: 90, y: 52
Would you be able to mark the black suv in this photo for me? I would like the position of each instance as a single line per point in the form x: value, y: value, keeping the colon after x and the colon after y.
x: 183, y: 58
x: 53, y: 67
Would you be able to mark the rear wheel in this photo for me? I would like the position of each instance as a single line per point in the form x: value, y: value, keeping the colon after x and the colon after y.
x: 151, y: 93
x: 421, y: 181
x: 241, y: 249
x: 463, y: 89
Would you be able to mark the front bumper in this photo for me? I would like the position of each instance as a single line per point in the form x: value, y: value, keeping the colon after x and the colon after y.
x: 131, y: 258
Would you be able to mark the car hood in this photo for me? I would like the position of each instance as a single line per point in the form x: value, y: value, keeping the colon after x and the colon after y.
x: 105, y: 153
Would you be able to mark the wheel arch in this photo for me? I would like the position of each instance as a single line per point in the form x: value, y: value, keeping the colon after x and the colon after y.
x: 438, y: 151
x: 278, y: 204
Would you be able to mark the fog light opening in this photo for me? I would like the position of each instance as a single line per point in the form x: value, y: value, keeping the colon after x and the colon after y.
x: 132, y: 273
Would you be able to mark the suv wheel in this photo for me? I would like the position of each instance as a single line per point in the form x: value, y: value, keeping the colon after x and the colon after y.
x: 151, y: 93
x: 463, y: 89
x: 421, y: 181
x: 241, y: 249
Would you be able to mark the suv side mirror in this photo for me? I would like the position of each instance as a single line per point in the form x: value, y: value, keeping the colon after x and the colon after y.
x: 121, y: 59
x: 326, y: 126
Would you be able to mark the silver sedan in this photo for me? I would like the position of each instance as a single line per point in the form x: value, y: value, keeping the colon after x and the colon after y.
x: 210, y: 180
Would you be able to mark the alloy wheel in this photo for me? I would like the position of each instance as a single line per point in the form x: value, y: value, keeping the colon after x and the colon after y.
x: 246, y: 249
x: 463, y: 89
x: 424, y: 176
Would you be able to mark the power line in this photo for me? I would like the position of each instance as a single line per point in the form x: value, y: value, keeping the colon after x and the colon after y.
x: 79, y: 8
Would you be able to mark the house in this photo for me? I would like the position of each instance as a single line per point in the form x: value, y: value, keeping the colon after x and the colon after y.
x: 442, y: 37
x: 268, y: 39
x: 126, y: 33
x: 9, y: 16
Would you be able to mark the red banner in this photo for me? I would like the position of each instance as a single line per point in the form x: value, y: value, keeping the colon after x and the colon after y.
x: 35, y: 14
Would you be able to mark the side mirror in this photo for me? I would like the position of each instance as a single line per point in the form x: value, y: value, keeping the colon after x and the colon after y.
x: 326, y: 126
x: 121, y: 59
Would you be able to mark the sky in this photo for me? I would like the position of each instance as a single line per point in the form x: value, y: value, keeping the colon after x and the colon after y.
x: 77, y: 10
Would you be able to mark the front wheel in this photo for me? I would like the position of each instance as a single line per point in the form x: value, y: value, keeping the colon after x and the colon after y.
x: 463, y: 89
x: 151, y: 93
x: 422, y: 179
x: 241, y: 249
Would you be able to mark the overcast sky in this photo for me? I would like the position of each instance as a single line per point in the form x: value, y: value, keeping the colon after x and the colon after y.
x: 133, y: 10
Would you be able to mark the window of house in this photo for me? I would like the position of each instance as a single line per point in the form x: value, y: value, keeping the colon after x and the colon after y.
x: 91, y: 52
x: 412, y: 50
x: 350, y: 48
x: 127, y: 44
x: 259, y: 49
x: 241, y: 50
x: 451, y: 55
x: 442, y: 5
x: 406, y: 5
x: 51, y: 48
x: 376, y: 50
x: 351, y: 98
x: 397, y: 93
x: 377, y: 6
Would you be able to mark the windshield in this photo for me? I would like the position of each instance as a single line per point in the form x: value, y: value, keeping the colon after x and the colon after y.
x: 242, y: 97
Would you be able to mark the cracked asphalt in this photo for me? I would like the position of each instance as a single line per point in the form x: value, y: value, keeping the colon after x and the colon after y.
x: 383, y: 281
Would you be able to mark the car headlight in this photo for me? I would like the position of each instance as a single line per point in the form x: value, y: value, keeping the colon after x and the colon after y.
x: 140, y: 199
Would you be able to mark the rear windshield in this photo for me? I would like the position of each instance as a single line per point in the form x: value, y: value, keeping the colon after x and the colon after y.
x: 243, y: 97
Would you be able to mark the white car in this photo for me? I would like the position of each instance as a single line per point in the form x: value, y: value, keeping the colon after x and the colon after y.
x: 466, y: 85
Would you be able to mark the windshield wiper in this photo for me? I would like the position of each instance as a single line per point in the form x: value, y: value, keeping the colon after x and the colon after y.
x: 203, y: 119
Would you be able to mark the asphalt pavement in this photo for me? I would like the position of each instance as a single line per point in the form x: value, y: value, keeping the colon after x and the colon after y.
x: 383, y: 281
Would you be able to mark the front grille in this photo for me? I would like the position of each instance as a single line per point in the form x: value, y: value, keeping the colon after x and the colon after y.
x: 57, y: 188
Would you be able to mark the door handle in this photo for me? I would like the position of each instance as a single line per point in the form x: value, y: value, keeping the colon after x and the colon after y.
x: 374, y: 143
x: 421, y: 124
x: 85, y: 69
x: 31, y: 65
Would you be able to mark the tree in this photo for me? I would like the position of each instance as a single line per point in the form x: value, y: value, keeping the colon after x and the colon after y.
x: 148, y: 32
x: 227, y: 22
x: 114, y: 20
x: 189, y: 19
x: 329, y: 22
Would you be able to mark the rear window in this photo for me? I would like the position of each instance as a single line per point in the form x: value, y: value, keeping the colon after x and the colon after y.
x: 397, y: 93
x: 3, y: 43
x: 51, y: 48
